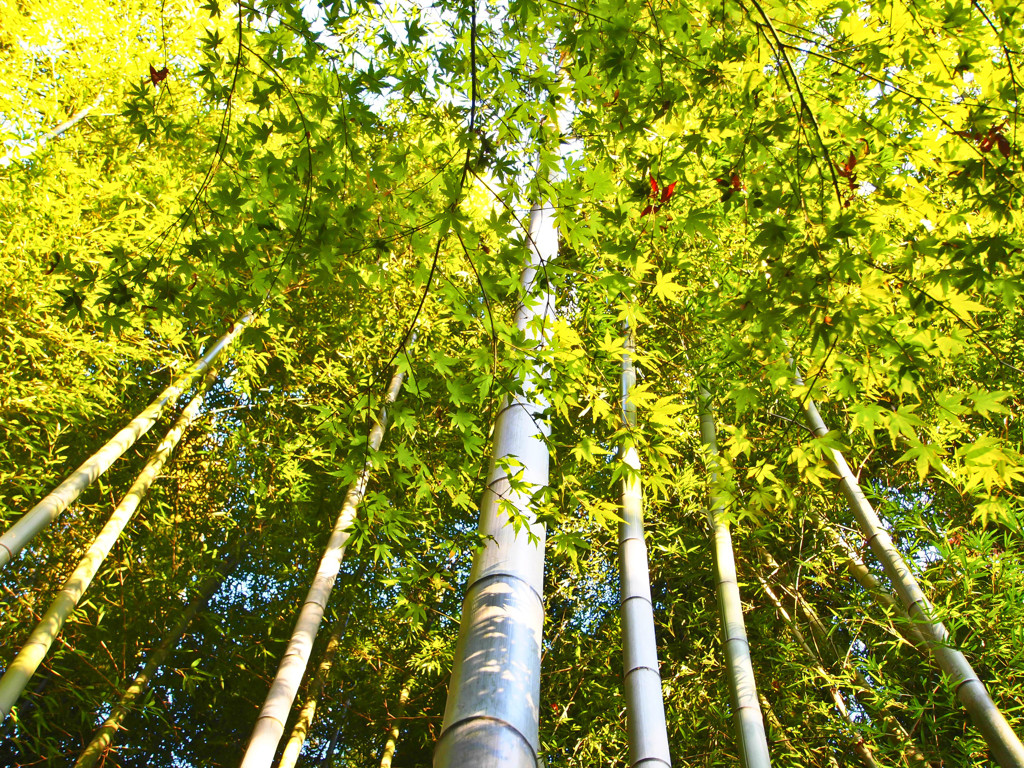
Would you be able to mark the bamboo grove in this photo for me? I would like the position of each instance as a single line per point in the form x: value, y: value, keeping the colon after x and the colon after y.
x: 511, y: 383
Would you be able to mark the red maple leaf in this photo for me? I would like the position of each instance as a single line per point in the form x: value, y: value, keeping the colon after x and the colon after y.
x: 157, y: 76
x: 666, y: 193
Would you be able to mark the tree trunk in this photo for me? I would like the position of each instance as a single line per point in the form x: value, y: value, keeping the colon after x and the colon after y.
x: 34, y: 651
x: 1006, y: 747
x: 100, y: 743
x: 270, y: 725
x: 491, y: 716
x: 49, y: 509
x: 750, y: 734
x: 645, y: 707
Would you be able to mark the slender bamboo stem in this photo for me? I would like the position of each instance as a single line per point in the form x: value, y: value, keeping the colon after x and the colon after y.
x: 645, y: 706
x: 491, y: 717
x: 71, y: 122
x: 860, y: 572
x: 396, y: 729
x: 859, y: 745
x: 332, y: 747
x: 25, y: 664
x: 25, y: 152
x: 752, y: 742
x: 297, y: 737
x: 269, y: 729
x: 1004, y: 743
x: 100, y: 743
x: 823, y: 640
x: 49, y: 509
x: 825, y: 647
x: 773, y: 720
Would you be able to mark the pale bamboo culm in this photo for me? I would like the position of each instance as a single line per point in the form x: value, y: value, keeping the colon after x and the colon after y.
x: 25, y: 664
x: 50, y: 508
x: 752, y: 743
x: 492, y: 712
x: 645, y: 706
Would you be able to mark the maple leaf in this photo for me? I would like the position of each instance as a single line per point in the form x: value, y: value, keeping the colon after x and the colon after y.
x: 157, y: 76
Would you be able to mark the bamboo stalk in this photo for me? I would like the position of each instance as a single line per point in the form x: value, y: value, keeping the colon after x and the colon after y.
x: 860, y: 572
x: 74, y: 120
x: 752, y: 743
x: 1004, y: 743
x: 774, y: 721
x: 823, y: 640
x: 645, y: 707
x: 101, y: 741
x: 392, y: 743
x: 297, y: 737
x: 332, y: 747
x: 859, y: 745
x: 491, y: 716
x: 300, y: 729
x: 49, y: 509
x: 823, y: 643
x: 25, y: 152
x: 25, y: 664
x: 269, y: 728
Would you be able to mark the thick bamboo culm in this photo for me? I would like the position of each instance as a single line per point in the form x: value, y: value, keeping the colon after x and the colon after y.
x: 269, y: 728
x: 46, y: 511
x: 645, y: 707
x: 101, y: 741
x: 25, y: 664
x: 491, y: 718
x: 1004, y: 743
x: 752, y: 742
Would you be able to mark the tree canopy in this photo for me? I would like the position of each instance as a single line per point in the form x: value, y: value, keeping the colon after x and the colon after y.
x: 760, y: 189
